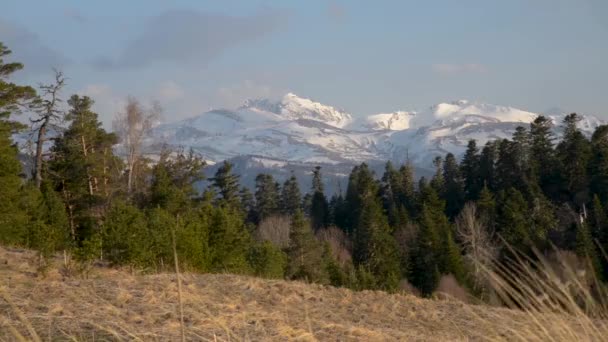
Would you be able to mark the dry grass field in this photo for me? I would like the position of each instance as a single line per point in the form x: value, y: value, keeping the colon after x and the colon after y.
x: 118, y: 305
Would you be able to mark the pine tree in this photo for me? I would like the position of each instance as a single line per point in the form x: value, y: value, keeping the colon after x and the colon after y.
x: 12, y: 218
x: 319, y: 208
x: 291, y: 197
x: 390, y: 193
x: 361, y: 186
x: 227, y: 184
x: 513, y: 220
x: 173, y: 181
x: 375, y: 249
x: 229, y: 241
x: 438, y: 182
x: 305, y: 253
x: 486, y: 206
x: 126, y: 240
x: 266, y: 196
x: 84, y: 168
x: 542, y: 156
x: 574, y: 152
x: 585, y: 248
x: 487, y: 165
x: 469, y: 168
x: 408, y: 192
x: 248, y: 205
x: 598, y: 163
x: 453, y: 186
x: 267, y: 261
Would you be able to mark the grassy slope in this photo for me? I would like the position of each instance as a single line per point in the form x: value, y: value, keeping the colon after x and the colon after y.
x: 117, y: 305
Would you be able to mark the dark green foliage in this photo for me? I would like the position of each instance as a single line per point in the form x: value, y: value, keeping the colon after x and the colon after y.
x: 291, y: 197
x: 267, y: 261
x: 125, y: 236
x: 469, y: 168
x: 12, y: 218
x: 226, y: 184
x: 266, y: 196
x: 228, y: 241
x: 375, y: 249
x: 305, y: 253
x: 598, y: 163
x: 319, y: 208
x: 453, y: 186
x: 574, y: 152
x: 361, y: 186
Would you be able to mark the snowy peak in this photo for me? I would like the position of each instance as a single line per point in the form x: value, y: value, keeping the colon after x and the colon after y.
x: 293, y: 107
x: 395, y: 121
x: 445, y: 113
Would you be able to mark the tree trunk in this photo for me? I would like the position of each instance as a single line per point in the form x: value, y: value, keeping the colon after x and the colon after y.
x: 84, y: 151
x: 39, y: 146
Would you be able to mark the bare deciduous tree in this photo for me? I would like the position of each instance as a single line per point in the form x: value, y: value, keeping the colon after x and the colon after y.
x: 132, y: 125
x: 47, y: 110
x: 340, y: 244
x: 480, y: 250
x: 275, y: 229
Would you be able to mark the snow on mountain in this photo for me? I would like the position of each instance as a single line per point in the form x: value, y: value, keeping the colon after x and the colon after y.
x: 299, y: 130
x: 294, y: 107
x: 396, y: 121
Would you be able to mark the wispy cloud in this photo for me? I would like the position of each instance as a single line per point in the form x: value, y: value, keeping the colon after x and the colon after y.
x: 181, y: 36
x: 452, y: 69
x: 28, y: 48
x: 336, y: 11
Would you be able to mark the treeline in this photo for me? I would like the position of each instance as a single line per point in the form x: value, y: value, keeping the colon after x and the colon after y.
x: 529, y: 193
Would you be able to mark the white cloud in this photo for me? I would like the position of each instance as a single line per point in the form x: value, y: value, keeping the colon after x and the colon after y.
x: 451, y: 69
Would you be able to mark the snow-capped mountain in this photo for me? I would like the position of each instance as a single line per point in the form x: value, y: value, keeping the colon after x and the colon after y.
x: 299, y: 130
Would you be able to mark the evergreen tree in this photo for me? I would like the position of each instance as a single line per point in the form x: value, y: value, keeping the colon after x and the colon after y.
x: 248, y: 205
x: 469, y: 168
x: 375, y: 249
x: 319, y: 208
x: 542, y: 156
x: 585, y: 248
x: 173, y: 181
x: 227, y: 184
x: 574, y: 152
x: 267, y: 260
x: 438, y: 182
x: 84, y: 168
x: 305, y: 253
x: 513, y: 221
x: 126, y: 240
x: 408, y: 194
x: 291, y: 197
x: 12, y: 218
x: 487, y: 165
x: 391, y: 193
x: 598, y: 163
x: 453, y: 186
x: 229, y: 241
x: 266, y: 196
x: 361, y: 186
x: 486, y: 206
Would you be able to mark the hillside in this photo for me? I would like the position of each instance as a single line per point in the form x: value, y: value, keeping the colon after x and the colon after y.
x: 118, y: 305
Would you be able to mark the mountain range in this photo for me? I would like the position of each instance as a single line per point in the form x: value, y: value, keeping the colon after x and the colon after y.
x: 298, y: 133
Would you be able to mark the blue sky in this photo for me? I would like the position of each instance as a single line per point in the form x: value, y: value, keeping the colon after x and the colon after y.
x: 363, y: 56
